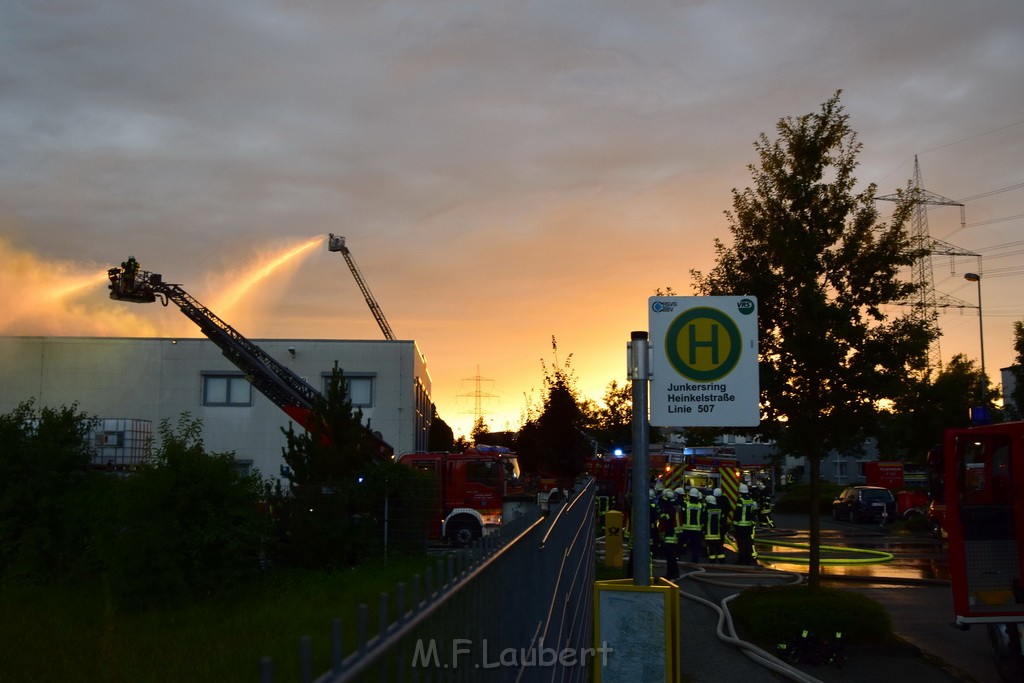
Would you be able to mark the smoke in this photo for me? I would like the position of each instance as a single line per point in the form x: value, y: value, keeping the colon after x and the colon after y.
x: 61, y: 298
x: 65, y: 298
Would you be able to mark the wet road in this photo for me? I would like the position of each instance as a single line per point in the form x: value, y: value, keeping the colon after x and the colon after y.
x: 863, y: 554
x: 922, y: 615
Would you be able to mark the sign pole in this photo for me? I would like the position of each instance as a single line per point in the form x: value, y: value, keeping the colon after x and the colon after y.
x: 638, y: 372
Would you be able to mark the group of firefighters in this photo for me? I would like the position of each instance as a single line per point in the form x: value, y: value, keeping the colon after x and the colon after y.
x: 685, y: 520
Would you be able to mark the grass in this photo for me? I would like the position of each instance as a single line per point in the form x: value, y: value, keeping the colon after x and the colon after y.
x: 73, y: 632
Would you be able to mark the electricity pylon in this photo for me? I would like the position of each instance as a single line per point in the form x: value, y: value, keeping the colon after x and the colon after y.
x: 926, y: 304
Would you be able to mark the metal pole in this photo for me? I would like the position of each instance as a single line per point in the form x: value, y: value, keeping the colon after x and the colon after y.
x: 976, y: 278
x: 638, y: 372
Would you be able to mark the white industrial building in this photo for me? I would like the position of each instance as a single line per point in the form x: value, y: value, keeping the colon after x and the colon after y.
x: 129, y: 381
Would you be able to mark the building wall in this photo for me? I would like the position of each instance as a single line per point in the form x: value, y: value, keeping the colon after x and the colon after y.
x: 160, y: 379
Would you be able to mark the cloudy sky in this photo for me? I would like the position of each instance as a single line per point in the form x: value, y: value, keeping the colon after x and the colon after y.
x: 504, y: 172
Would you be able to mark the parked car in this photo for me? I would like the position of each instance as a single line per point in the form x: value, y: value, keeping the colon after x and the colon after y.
x: 865, y: 504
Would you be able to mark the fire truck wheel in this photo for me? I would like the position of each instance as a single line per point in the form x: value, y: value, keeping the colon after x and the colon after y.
x: 1006, y: 645
x: 462, y: 532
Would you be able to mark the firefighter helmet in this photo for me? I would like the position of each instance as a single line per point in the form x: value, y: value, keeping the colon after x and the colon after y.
x: 744, y: 489
x: 680, y: 492
x: 711, y: 500
x: 694, y: 493
x: 669, y: 495
x: 717, y: 492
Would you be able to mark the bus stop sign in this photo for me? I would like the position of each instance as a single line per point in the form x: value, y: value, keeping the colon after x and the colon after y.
x: 703, y: 361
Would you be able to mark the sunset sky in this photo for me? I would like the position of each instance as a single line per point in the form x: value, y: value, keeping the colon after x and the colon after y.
x: 504, y: 172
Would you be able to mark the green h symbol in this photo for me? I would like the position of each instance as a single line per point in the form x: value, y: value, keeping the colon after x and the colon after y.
x: 711, y: 344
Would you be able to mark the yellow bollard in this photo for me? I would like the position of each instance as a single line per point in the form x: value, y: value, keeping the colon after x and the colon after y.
x: 613, y: 538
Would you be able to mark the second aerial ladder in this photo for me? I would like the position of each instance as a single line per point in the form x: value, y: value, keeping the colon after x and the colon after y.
x: 337, y: 243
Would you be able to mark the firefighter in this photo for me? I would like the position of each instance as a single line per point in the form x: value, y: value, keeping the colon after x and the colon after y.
x: 743, y: 526
x: 691, y: 524
x: 764, y: 507
x: 714, y: 523
x: 726, y: 505
x: 669, y: 537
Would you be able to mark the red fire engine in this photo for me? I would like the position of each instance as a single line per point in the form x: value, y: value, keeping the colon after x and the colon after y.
x: 704, y: 467
x: 983, y: 470
x: 472, y: 487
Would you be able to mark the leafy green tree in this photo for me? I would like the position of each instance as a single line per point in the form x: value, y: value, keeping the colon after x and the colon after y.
x: 927, y: 407
x: 611, y: 421
x: 440, y: 437
x: 44, y: 465
x: 479, y: 429
x: 812, y: 249
x: 190, y: 525
x: 552, y: 444
x: 338, y: 452
x: 1016, y: 402
x: 328, y: 518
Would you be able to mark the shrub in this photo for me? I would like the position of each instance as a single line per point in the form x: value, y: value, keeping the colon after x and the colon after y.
x: 44, y: 475
x: 189, y: 523
x: 770, y: 615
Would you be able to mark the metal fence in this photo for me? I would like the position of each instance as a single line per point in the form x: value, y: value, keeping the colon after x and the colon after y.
x: 517, y: 606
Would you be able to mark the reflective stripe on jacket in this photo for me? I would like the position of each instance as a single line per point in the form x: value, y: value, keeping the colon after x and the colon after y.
x: 713, y: 524
x: 746, y: 511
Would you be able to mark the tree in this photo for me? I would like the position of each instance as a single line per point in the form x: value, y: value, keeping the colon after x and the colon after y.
x: 440, y: 437
x: 326, y: 517
x: 43, y: 477
x: 338, y: 451
x: 553, y: 443
x: 190, y: 523
x: 1016, y: 397
x: 612, y: 422
x: 813, y: 251
x: 479, y: 428
x: 928, y: 406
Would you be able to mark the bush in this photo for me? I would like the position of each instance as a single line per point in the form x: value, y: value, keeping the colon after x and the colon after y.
x: 189, y: 525
x: 331, y: 528
x: 44, y: 476
x: 771, y: 615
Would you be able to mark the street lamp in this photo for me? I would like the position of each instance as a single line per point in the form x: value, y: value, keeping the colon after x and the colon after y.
x: 975, y: 277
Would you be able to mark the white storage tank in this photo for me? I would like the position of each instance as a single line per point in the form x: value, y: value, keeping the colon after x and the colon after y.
x: 120, y: 444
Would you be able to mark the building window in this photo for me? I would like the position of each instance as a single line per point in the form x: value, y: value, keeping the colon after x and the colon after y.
x: 226, y: 390
x: 358, y: 389
x: 840, y: 471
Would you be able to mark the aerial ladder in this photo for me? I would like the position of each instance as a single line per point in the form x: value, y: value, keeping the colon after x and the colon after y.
x: 337, y: 243
x: 286, y: 389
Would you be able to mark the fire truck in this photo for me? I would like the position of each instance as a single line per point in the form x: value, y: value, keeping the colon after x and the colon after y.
x: 707, y: 468
x: 983, y: 472
x: 472, y: 489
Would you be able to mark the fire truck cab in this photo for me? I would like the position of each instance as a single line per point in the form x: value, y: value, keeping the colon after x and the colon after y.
x: 471, y: 489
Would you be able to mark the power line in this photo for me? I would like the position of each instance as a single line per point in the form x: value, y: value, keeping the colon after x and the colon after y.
x: 995, y: 220
x: 973, y: 137
x: 992, y: 192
